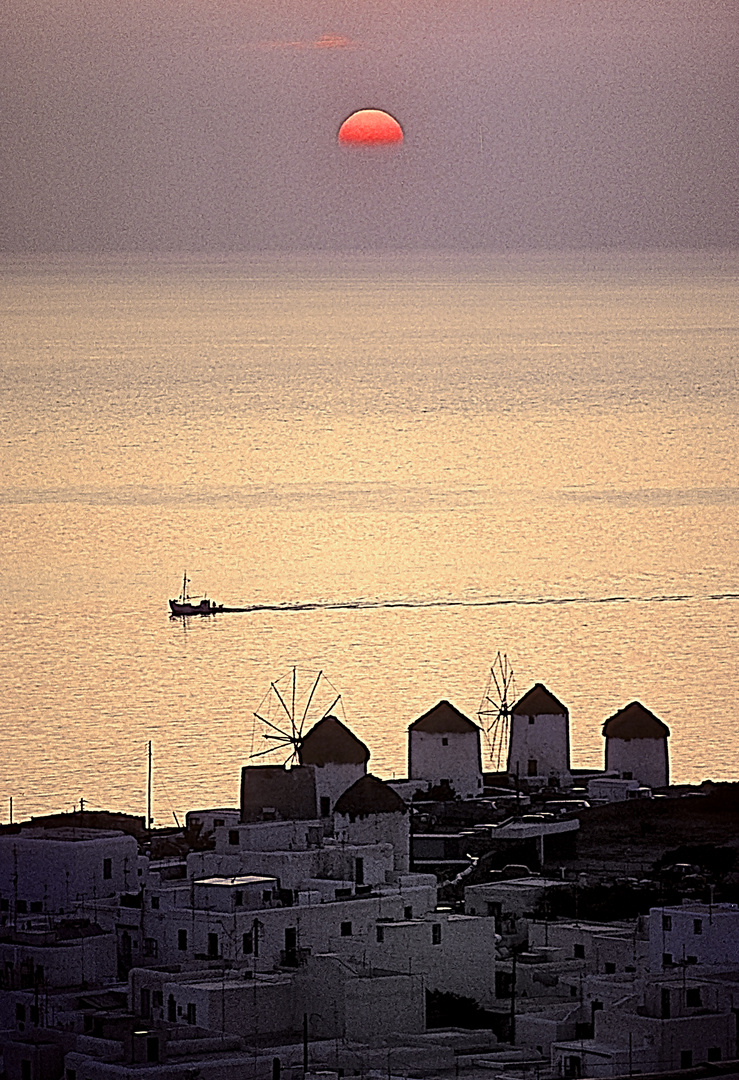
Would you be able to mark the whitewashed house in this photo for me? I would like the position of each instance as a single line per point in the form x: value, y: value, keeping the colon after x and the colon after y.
x: 539, y: 743
x: 59, y: 870
x: 693, y: 933
x: 636, y: 746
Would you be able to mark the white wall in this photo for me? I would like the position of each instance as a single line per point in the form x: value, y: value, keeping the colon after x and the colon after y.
x: 672, y: 930
x: 447, y: 755
x: 545, y: 741
x: 645, y: 759
x: 60, y: 873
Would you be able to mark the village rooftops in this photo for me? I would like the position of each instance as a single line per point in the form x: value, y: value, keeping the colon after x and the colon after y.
x: 442, y: 718
x: 331, y: 742
x: 538, y: 701
x: 65, y: 834
x: 635, y: 721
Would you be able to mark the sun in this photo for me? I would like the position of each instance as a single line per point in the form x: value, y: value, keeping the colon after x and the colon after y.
x: 370, y: 127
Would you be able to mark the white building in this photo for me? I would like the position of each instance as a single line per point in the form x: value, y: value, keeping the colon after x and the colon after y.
x: 693, y: 933
x: 58, y: 871
x: 636, y: 746
x: 608, y: 789
x: 444, y: 748
x: 539, y: 744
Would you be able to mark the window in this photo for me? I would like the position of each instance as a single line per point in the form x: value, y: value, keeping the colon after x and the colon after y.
x: 359, y: 871
x: 36, y: 907
x: 21, y: 907
x: 691, y: 959
x: 20, y: 1012
x: 445, y: 741
x: 573, y: 1067
x: 665, y: 1011
x: 182, y: 940
x: 578, y: 951
x: 191, y: 1013
x: 380, y: 934
x: 171, y: 1009
x: 408, y: 912
x: 697, y: 926
x: 233, y: 837
x: 532, y: 720
x: 33, y: 1013
x: 325, y: 806
x: 693, y: 997
x: 627, y: 776
x: 533, y: 767
x: 218, y: 822
x: 150, y: 946
x: 267, y: 896
x: 155, y: 903
x: 346, y: 929
x: 436, y: 933
x: 610, y: 968
x: 107, y: 869
x: 25, y: 1069
x: 667, y: 922
x: 157, y: 998
x: 212, y: 946
x: 713, y: 1053
x: 152, y: 1049
x: 666, y: 959
x: 247, y: 943
x: 4, y: 904
x: 686, y: 1059
x: 573, y: 992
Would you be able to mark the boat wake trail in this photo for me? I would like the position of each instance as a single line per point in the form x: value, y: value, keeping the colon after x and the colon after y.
x: 537, y: 601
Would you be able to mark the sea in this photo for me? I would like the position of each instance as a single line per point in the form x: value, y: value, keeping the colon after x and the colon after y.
x: 400, y: 465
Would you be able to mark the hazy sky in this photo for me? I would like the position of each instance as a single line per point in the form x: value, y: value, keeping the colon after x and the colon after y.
x: 211, y: 124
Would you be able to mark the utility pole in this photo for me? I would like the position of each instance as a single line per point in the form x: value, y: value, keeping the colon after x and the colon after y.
x: 148, y: 791
x: 514, y: 955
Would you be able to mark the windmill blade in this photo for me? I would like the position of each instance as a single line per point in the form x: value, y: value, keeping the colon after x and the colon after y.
x: 274, y: 727
x: 310, y: 699
x: 333, y: 704
x: 281, y: 701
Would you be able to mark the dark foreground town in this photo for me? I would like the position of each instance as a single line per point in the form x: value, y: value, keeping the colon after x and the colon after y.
x: 538, y: 922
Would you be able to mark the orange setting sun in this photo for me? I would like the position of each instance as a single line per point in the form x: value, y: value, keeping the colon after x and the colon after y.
x: 370, y: 127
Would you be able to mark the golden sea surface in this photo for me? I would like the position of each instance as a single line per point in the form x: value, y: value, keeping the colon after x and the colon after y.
x: 410, y: 462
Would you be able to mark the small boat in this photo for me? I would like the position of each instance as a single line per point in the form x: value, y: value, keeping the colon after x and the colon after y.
x: 192, y: 605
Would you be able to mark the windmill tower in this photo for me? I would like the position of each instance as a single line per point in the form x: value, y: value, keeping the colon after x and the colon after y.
x: 309, y: 757
x: 539, y: 744
x: 636, y: 746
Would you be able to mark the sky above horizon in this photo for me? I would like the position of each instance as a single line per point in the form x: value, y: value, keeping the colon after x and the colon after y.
x: 191, y: 125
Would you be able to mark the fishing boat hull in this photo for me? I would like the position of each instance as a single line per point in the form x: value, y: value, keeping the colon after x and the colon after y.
x: 205, y: 607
